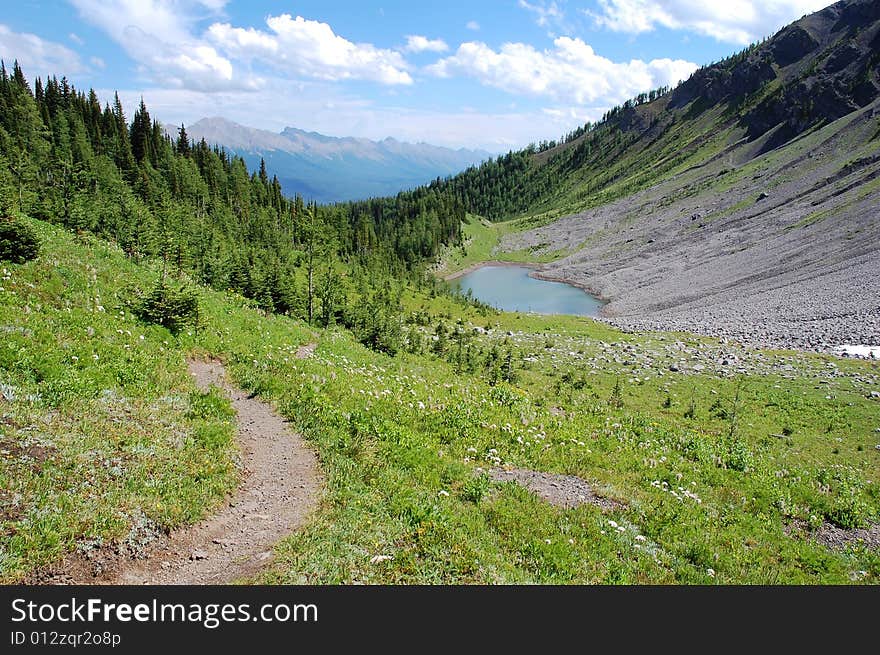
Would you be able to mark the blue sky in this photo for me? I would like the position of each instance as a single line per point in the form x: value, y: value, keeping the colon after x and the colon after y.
x: 494, y: 75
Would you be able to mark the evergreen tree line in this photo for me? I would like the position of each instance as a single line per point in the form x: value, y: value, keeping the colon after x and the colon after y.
x: 513, y: 183
x: 67, y: 159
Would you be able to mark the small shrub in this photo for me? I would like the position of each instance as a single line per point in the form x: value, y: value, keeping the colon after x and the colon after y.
x: 474, y: 489
x: 691, y: 411
x: 170, y: 304
x: 18, y: 242
x: 718, y: 410
x: 847, y: 507
x: 616, y: 398
x: 736, y: 455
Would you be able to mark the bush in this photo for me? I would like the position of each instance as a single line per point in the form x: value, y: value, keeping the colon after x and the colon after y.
x: 18, y: 242
x: 377, y: 323
x: 170, y: 304
x: 475, y: 488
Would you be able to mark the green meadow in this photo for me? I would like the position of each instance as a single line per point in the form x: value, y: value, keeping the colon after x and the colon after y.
x: 726, y: 464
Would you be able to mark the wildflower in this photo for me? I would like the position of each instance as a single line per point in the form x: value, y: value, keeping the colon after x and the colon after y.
x: 612, y: 524
x: 640, y: 537
x: 443, y: 493
x: 710, y: 573
x: 376, y: 559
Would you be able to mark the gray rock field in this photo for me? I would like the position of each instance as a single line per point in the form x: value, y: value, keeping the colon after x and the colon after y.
x: 781, y: 249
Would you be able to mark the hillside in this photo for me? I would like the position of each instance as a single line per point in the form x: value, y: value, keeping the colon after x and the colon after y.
x: 457, y: 444
x: 595, y: 457
x: 742, y: 203
x: 330, y: 169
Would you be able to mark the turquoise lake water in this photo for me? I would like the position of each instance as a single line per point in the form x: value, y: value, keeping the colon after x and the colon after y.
x: 510, y: 288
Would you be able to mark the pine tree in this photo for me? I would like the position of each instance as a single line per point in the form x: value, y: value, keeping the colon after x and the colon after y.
x: 182, y: 141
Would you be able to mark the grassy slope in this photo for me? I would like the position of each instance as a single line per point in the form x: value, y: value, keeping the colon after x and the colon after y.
x: 480, y: 239
x: 608, y: 174
x: 395, y: 436
x: 103, y: 435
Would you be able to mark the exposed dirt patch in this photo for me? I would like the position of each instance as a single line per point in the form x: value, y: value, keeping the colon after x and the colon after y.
x: 561, y: 490
x: 34, y: 455
x: 836, y: 538
x: 6, y: 420
x: 281, y: 486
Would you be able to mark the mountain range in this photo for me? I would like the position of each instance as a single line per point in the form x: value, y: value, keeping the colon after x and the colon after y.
x: 334, y: 169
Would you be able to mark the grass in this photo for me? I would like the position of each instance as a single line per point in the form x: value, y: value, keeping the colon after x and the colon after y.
x: 710, y: 463
x: 480, y: 239
x: 395, y: 463
x: 102, y: 434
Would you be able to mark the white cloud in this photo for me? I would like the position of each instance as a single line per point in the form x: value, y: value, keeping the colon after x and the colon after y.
x: 323, y: 108
x: 157, y: 35
x: 547, y: 14
x: 213, y: 5
x: 473, y: 25
x: 160, y: 35
x: 732, y: 21
x: 310, y: 48
x: 97, y: 62
x: 416, y: 43
x: 36, y: 56
x: 76, y: 38
x: 572, y: 73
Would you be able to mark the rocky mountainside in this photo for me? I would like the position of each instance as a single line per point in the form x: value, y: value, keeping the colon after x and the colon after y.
x: 745, y: 203
x: 331, y: 169
x: 818, y: 69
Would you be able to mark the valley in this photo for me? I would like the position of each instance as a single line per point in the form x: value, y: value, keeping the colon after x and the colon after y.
x: 205, y: 378
x: 331, y: 169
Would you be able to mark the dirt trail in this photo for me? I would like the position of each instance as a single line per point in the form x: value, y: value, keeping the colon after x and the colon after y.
x: 280, y: 488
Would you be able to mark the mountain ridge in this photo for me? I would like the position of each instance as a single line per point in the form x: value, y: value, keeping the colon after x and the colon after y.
x: 334, y: 169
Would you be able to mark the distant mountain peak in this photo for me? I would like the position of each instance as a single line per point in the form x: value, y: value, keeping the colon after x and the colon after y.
x: 329, y: 168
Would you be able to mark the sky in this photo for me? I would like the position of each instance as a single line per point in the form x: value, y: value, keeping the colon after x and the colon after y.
x: 495, y: 74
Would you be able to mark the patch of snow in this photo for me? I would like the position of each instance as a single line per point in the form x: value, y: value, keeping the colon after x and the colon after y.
x: 859, y: 350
